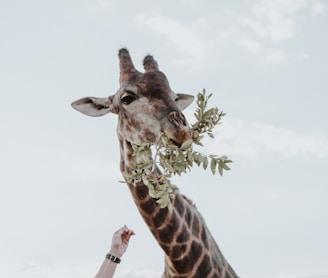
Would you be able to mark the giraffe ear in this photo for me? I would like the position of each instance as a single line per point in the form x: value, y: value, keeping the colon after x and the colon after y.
x: 183, y: 100
x: 94, y: 107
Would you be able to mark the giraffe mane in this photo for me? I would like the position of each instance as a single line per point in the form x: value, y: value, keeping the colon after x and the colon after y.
x: 189, y: 201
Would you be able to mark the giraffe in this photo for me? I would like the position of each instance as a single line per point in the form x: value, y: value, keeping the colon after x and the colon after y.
x: 146, y: 106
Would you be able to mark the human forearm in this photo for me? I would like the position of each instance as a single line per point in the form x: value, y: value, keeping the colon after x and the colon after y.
x: 119, y: 245
x: 107, y: 269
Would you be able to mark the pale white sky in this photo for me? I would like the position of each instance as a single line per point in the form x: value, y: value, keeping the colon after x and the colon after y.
x: 265, y: 61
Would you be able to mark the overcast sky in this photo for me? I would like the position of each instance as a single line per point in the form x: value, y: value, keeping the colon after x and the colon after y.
x: 266, y: 63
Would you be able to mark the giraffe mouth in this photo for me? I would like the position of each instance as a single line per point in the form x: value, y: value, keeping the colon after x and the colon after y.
x: 177, y: 128
x: 179, y: 137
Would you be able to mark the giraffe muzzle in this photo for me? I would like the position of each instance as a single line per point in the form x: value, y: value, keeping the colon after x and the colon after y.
x: 177, y: 129
x: 177, y: 119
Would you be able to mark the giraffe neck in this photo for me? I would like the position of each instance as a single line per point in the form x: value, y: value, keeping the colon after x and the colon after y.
x: 190, y: 250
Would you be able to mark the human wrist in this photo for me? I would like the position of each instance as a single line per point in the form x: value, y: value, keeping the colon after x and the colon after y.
x: 116, y: 252
x: 113, y: 258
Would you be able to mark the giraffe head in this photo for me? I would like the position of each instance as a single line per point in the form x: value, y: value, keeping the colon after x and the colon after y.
x: 144, y: 103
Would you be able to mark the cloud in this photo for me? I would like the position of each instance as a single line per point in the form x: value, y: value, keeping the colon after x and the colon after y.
x: 262, y: 28
x: 140, y: 274
x: 250, y: 44
x: 304, y: 56
x: 267, y: 24
x: 268, y: 55
x: 193, y: 3
x: 252, y: 140
x: 276, y: 18
x: 318, y: 8
x: 301, y: 276
x: 271, y: 20
x: 183, y: 37
x: 229, y: 32
x: 33, y: 269
x: 274, y: 56
x: 86, y: 168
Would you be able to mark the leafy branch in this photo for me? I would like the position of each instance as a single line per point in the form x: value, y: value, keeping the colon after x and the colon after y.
x: 176, y: 160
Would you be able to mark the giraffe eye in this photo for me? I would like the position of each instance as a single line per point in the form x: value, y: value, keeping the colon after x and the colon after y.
x: 128, y: 99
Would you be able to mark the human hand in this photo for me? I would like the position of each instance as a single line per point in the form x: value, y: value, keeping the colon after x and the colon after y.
x: 120, y: 241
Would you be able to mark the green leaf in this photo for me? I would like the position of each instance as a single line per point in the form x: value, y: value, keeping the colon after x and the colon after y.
x: 220, y: 169
x: 186, y: 145
x: 213, y: 165
x: 176, y: 160
x: 224, y: 166
x: 170, y: 207
x: 205, y: 163
x: 144, y: 179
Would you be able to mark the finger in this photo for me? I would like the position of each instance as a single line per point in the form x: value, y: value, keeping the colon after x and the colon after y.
x: 127, y: 236
x: 130, y: 233
x: 120, y: 230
